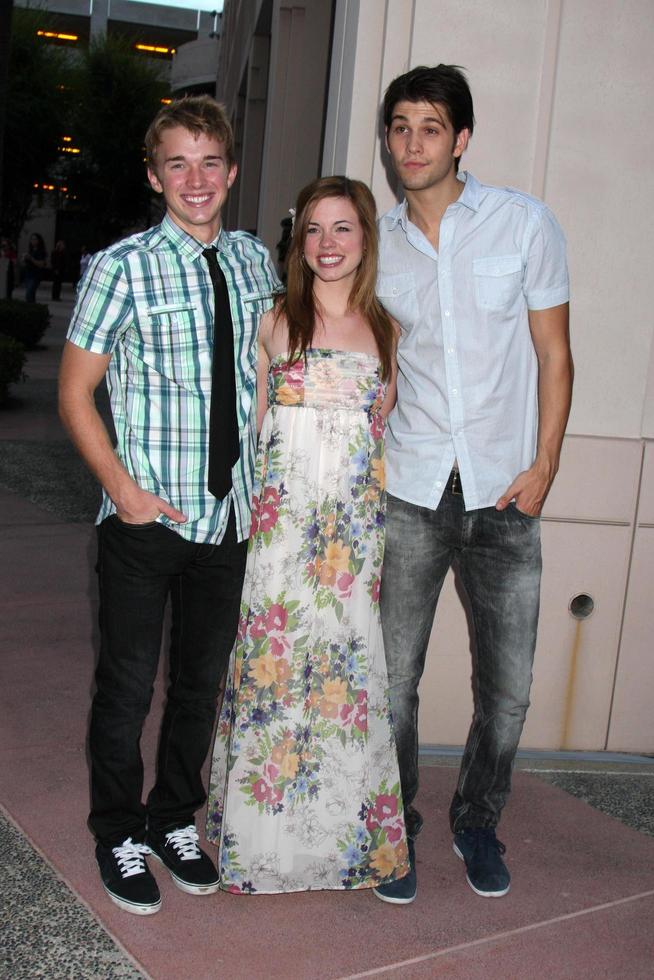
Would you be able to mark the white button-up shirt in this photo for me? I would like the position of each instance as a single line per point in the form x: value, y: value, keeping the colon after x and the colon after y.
x: 468, y: 374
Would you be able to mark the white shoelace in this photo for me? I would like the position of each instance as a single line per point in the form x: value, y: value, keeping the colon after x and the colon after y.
x: 130, y: 857
x: 185, y: 842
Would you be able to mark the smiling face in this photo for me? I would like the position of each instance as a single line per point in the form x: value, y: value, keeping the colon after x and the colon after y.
x: 423, y: 145
x: 194, y: 176
x: 333, y: 245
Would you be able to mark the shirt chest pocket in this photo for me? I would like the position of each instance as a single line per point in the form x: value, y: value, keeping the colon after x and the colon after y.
x: 176, y: 342
x: 397, y: 294
x: 498, y: 281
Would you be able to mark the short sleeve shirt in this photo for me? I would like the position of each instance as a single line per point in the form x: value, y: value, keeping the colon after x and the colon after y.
x: 149, y: 302
x: 467, y: 368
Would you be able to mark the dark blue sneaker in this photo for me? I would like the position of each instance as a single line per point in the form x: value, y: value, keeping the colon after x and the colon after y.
x: 402, y: 891
x: 482, y: 852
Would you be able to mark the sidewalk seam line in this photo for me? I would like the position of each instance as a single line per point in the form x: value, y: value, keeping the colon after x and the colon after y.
x: 588, y: 772
x: 400, y: 964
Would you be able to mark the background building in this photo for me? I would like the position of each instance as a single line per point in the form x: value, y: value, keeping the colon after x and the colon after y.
x: 273, y: 76
x: 153, y: 33
x: 156, y: 30
x: 562, y: 91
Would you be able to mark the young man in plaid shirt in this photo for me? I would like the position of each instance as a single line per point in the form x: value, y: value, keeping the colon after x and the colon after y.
x: 145, y: 318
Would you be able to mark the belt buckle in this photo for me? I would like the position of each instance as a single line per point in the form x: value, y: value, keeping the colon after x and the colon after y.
x: 455, y: 483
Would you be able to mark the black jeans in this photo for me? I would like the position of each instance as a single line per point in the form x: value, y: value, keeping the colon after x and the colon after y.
x: 498, y: 557
x: 139, y: 567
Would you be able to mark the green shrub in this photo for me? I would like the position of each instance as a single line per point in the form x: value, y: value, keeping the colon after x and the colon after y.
x: 25, y: 322
x: 12, y: 361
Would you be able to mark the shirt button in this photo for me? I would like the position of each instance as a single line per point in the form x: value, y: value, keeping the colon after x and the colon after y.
x: 450, y: 350
x: 455, y: 391
x: 439, y: 484
x: 447, y: 312
x: 394, y: 291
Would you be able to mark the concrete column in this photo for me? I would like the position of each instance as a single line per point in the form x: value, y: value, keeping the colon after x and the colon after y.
x: 254, y: 122
x: 99, y: 17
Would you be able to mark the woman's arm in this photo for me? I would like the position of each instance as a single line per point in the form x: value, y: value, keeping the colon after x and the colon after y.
x: 37, y: 263
x: 263, y: 364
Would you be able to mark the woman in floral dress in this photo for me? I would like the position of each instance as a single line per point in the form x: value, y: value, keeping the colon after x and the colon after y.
x: 305, y: 790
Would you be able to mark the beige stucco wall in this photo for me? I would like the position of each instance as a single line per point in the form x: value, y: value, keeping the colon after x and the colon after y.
x: 561, y: 91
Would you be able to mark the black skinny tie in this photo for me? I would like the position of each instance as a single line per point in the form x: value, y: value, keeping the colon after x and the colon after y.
x: 224, y: 447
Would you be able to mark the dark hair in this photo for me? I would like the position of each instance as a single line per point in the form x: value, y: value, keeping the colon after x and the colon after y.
x: 445, y: 84
x: 196, y: 113
x: 298, y: 305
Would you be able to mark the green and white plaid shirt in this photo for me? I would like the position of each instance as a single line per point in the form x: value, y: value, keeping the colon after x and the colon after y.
x: 149, y: 301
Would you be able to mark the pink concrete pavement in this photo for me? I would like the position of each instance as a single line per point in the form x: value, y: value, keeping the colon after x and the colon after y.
x: 583, y: 894
x: 582, y: 901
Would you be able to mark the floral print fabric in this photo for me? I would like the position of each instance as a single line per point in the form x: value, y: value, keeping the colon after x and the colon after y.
x: 305, y: 791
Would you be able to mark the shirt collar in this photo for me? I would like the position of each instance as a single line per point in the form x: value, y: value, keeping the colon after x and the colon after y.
x: 396, y: 216
x: 471, y: 194
x: 470, y: 198
x: 188, y: 245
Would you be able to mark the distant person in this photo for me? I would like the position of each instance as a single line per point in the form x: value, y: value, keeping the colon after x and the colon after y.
x: 35, y: 261
x: 58, y: 263
x: 477, y: 278
x: 170, y: 315
x: 8, y: 252
x: 305, y: 785
x: 283, y: 246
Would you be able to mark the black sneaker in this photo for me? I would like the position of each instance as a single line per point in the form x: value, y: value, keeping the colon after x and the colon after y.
x: 402, y: 891
x: 191, y: 869
x: 126, y: 877
x: 482, y: 852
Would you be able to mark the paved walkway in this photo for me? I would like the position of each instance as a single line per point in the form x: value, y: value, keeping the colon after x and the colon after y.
x: 582, y: 902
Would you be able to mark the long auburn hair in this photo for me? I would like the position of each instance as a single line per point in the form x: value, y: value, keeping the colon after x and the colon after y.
x: 298, y: 306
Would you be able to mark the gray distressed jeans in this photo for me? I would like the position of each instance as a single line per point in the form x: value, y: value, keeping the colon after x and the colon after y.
x: 498, y: 557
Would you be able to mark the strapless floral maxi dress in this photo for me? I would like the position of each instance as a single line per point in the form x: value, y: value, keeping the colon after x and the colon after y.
x: 305, y: 790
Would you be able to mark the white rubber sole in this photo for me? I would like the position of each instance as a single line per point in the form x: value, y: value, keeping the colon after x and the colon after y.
x: 130, y: 906
x: 477, y: 891
x: 393, y: 901
x: 185, y: 886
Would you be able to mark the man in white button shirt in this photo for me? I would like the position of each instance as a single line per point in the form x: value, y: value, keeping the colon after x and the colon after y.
x: 477, y: 278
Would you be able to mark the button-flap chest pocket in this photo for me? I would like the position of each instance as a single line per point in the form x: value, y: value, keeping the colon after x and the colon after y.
x: 176, y: 341
x: 498, y: 280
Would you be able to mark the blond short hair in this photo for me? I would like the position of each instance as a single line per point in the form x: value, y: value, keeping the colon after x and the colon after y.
x: 199, y: 114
